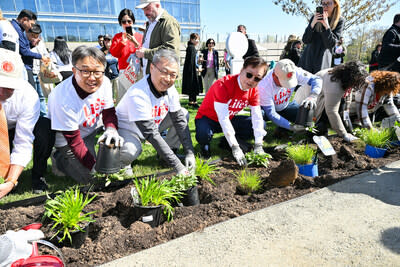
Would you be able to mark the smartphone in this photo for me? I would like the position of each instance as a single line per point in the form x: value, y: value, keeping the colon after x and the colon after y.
x: 129, y: 30
x: 320, y: 10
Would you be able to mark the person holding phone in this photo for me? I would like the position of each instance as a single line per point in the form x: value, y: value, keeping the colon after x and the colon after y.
x: 127, y: 42
x: 321, y: 35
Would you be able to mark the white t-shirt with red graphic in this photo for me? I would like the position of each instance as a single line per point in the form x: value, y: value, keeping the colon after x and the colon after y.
x: 227, y: 91
x: 68, y: 112
x: 140, y: 104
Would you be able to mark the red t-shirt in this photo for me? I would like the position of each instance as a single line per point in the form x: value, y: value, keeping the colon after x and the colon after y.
x: 227, y: 91
x: 123, y: 51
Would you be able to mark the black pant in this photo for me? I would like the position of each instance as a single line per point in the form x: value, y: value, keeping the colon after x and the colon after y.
x: 42, y: 146
x: 31, y: 80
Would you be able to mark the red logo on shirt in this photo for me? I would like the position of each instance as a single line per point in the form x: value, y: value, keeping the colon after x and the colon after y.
x: 159, y: 113
x: 237, y: 106
x: 93, y: 112
x: 282, y: 96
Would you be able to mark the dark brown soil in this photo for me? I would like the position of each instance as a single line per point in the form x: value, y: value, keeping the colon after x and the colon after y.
x: 114, y: 234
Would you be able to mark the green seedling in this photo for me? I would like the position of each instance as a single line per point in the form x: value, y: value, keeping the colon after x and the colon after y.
x: 66, y: 212
x: 109, y: 178
x: 204, y: 169
x: 183, y: 182
x: 301, y: 154
x: 248, y: 181
x: 375, y: 137
x: 257, y: 160
x: 153, y: 192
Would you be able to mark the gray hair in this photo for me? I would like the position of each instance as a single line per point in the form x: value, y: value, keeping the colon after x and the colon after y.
x: 85, y: 51
x: 167, y: 54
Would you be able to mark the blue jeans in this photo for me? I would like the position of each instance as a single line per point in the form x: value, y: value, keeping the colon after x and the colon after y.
x: 42, y: 99
x: 206, y: 127
x: 289, y: 113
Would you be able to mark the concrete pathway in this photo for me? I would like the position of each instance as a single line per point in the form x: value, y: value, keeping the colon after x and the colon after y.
x: 352, y: 223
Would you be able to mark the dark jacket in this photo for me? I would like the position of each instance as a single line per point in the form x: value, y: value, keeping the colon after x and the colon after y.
x: 390, y: 49
x: 190, y: 82
x: 252, y: 49
x: 373, y: 63
x: 25, y: 47
x: 216, y: 63
x: 316, y: 45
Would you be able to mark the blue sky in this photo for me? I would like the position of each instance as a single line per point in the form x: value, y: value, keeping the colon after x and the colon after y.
x: 259, y: 16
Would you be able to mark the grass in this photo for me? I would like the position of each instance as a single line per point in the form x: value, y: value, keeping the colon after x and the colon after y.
x: 301, y: 154
x: 376, y: 137
x: 248, y: 181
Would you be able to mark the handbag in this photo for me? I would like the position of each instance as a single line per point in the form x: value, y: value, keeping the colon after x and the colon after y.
x: 49, y: 73
x: 127, y: 77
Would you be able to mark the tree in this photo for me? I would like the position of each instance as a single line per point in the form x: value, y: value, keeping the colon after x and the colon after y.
x: 355, y: 12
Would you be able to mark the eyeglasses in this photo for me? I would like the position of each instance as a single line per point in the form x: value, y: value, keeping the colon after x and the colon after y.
x: 86, y: 74
x: 326, y: 3
x: 166, y: 73
x: 212, y: 43
x: 126, y: 21
x: 250, y: 75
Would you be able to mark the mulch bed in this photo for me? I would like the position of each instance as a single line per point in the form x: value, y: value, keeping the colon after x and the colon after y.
x: 115, y: 234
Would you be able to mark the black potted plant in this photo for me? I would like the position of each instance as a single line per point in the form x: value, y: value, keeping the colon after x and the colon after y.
x: 70, y: 221
x: 187, y: 185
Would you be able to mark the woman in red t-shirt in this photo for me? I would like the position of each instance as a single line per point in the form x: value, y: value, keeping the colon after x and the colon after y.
x: 124, y: 44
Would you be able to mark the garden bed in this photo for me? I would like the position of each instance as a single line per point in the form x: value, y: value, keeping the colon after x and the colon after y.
x: 114, y: 234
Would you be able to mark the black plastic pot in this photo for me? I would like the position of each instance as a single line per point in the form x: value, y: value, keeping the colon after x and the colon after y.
x: 305, y: 116
x: 191, y: 197
x: 78, y: 237
x: 108, y: 159
x: 148, y: 214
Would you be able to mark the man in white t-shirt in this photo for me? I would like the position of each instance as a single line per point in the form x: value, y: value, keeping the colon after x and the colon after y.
x: 151, y: 106
x: 75, y: 106
x: 21, y: 107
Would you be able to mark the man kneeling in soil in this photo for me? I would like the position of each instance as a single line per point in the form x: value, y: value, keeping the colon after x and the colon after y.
x: 150, y: 107
x: 226, y: 97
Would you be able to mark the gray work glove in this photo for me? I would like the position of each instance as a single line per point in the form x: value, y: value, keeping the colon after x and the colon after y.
x: 349, y: 138
x: 190, y: 161
x: 310, y: 101
x: 297, y: 128
x: 258, y: 149
x: 239, y: 156
x: 111, y: 134
x: 183, y: 171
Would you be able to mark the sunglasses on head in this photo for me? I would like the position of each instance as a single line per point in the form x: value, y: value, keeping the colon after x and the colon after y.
x: 250, y: 75
x: 126, y: 21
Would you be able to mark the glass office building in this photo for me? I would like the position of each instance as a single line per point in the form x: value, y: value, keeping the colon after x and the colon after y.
x: 84, y: 20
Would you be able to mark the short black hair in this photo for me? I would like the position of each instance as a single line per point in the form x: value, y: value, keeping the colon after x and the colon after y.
x: 241, y: 25
x: 194, y: 36
x: 100, y: 36
x: 123, y: 12
x: 209, y: 41
x: 36, y: 29
x: 255, y: 62
x: 85, y: 51
x: 396, y: 18
x: 25, y: 13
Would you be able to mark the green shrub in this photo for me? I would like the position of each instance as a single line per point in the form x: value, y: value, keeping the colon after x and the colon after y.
x: 66, y: 212
x: 153, y: 192
x: 204, y: 169
x: 376, y: 137
x: 254, y: 159
x: 301, y: 154
x: 248, y: 181
x: 183, y: 182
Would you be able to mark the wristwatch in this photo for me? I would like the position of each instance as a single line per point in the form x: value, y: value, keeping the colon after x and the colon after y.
x: 13, y: 181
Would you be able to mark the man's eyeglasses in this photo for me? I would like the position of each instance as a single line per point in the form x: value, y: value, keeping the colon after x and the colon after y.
x: 166, y: 73
x: 85, y: 73
x: 250, y: 75
x: 126, y: 21
x: 326, y: 3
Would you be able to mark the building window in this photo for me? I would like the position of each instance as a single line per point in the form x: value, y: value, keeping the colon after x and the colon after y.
x: 69, y: 6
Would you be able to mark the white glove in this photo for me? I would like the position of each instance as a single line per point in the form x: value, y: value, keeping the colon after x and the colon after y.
x: 258, y: 149
x: 15, y: 246
x: 93, y: 170
x: 349, y: 138
x: 297, y: 128
x: 310, y: 101
x: 190, y: 161
x: 183, y: 171
x: 239, y: 156
x: 111, y: 134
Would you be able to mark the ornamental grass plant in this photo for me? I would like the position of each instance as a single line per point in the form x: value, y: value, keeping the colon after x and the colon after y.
x: 249, y: 181
x: 66, y: 211
x: 257, y: 160
x: 204, y: 170
x: 376, y: 137
x: 301, y: 154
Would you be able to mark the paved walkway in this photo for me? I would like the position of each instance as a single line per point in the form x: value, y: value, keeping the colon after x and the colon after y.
x: 352, y: 223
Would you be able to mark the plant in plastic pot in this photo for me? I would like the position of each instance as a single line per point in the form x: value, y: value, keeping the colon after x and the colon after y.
x: 187, y: 185
x: 249, y: 182
x: 376, y: 141
x: 257, y: 160
x: 305, y: 157
x: 66, y: 211
x: 150, y: 194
